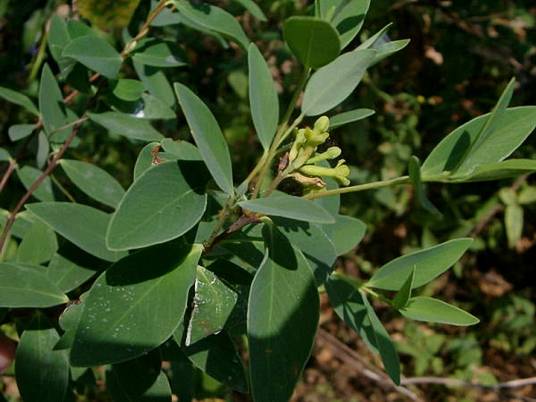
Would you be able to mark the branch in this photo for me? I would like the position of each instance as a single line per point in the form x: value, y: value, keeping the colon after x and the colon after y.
x: 456, y: 383
x: 9, y: 171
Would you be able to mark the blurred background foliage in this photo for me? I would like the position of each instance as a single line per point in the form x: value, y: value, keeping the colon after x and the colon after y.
x: 461, y: 55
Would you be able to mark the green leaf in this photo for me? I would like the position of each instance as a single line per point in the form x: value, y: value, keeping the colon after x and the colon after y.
x: 130, y: 309
x: 334, y: 82
x: 212, y: 305
x: 140, y: 380
x: 128, y: 90
x: 428, y: 264
x: 499, y: 170
x: 217, y: 356
x: 94, y: 181
x: 26, y: 286
x: 263, y: 99
x: 345, y: 233
x: 510, y: 129
x: 145, y: 158
x: 388, y: 48
x: 19, y: 131
x: 51, y: 105
x: 347, y: 16
x: 81, y: 225
x: 349, y: 305
x: 94, y: 53
x: 434, y: 310
x: 288, y: 206
x: 68, y: 321
x: 375, y: 39
x: 208, y: 137
x: 155, y: 82
x: 28, y: 175
x: 155, y: 108
x: 67, y: 275
x: 283, y: 312
x: 38, y: 245
x: 314, y: 42
x: 214, y: 19
x: 182, y: 150
x: 4, y: 155
x: 42, y: 373
x: 58, y: 36
x: 351, y: 116
x: 402, y: 297
x: 312, y: 242
x: 253, y: 8
x: 18, y: 99
x: 163, y: 204
x: 513, y: 222
x: 127, y: 126
x: 384, y: 344
x: 414, y: 169
x: 527, y: 195
x: 158, y: 53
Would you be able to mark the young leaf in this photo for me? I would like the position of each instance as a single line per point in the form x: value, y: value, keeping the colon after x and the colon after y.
x: 51, y: 105
x: 28, y: 175
x: 314, y: 42
x: 349, y: 117
x: 434, y: 310
x: 19, y: 131
x: 386, y: 49
x: 18, y: 99
x: 253, y: 8
x: 262, y: 97
x: 26, y: 286
x: 66, y: 274
x: 428, y: 264
x: 217, y: 356
x: 214, y: 19
x: 94, y: 53
x: 282, y: 319
x: 208, y: 137
x: 157, y: 53
x: 212, y: 305
x: 510, y: 129
x: 345, y: 233
x: 42, y: 373
x: 414, y: 169
x: 385, y: 346
x: 334, y: 82
x: 402, y: 297
x: 81, y: 225
x: 131, y: 310
x: 38, y: 245
x: 163, y: 204
x: 94, y: 181
x: 127, y: 126
x: 288, y: 206
x: 347, y: 17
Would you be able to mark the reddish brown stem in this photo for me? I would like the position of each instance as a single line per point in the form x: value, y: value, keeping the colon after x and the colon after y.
x: 9, y: 171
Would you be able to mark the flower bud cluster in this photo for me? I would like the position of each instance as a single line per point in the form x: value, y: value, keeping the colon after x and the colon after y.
x: 303, y: 157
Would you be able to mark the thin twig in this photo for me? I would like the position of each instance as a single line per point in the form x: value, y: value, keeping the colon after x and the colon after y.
x: 354, y: 360
x: 7, y: 174
x: 456, y: 383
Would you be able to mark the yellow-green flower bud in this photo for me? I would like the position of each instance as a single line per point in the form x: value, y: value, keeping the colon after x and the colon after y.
x: 297, y: 145
x: 315, y: 138
x: 322, y: 124
x: 339, y: 172
x: 331, y: 153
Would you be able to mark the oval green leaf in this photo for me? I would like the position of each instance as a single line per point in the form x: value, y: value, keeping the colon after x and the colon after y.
x: 18, y: 99
x: 313, y: 41
x: 283, y: 312
x: 208, y: 137
x: 81, y: 225
x: 130, y: 309
x: 94, y: 181
x: 127, y: 126
x: 429, y: 309
x: 163, y: 204
x: 94, y: 53
x: 351, y: 116
x: 263, y: 99
x: 334, y: 82
x: 429, y: 264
